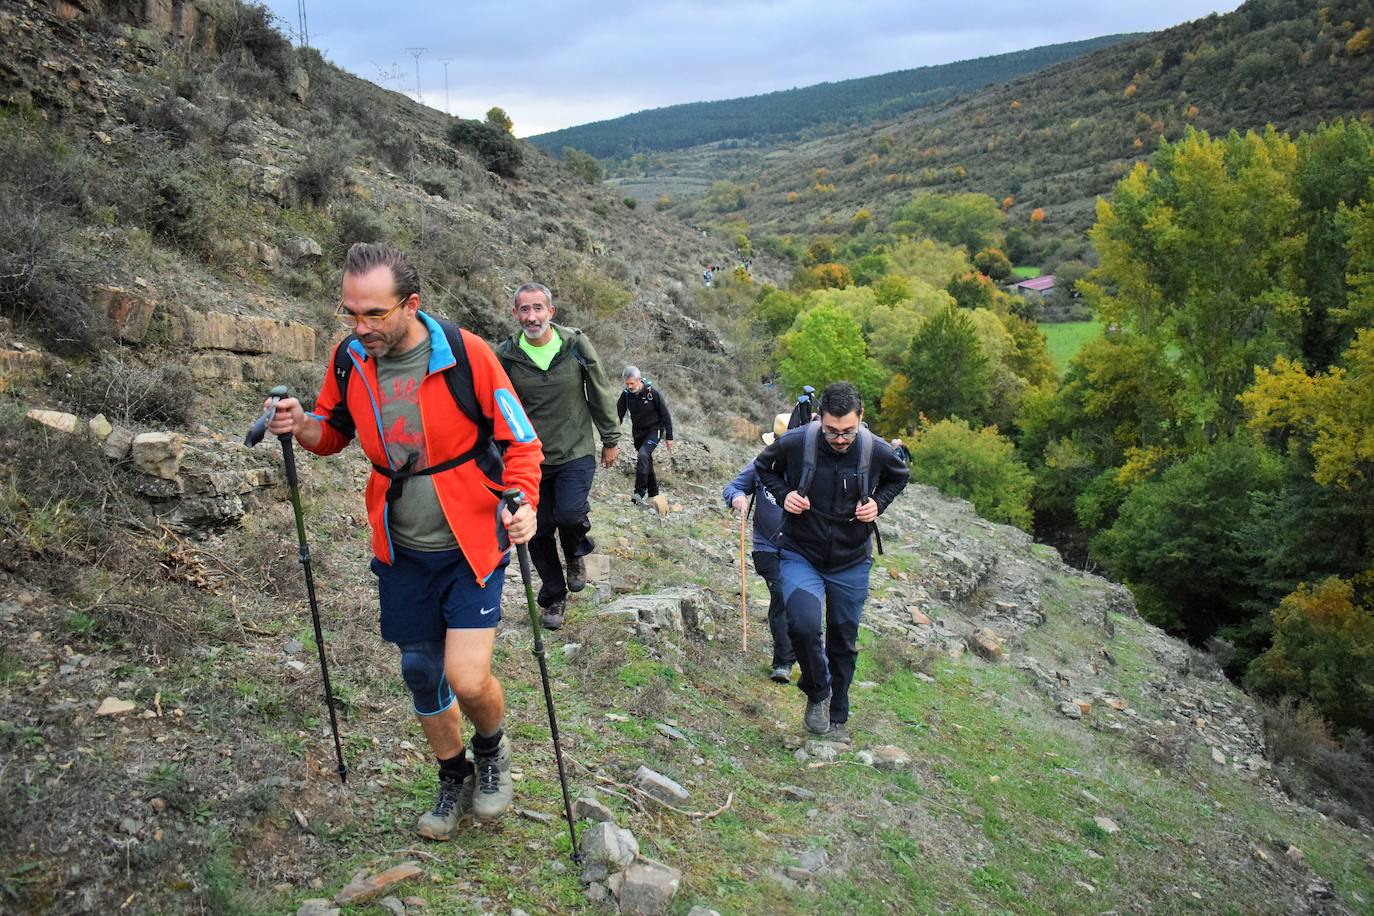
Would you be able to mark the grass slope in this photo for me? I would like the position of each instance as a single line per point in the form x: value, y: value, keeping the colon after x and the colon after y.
x: 1065, y: 338
x: 229, y: 802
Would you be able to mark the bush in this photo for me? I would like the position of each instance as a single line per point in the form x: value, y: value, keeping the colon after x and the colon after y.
x: 1323, y: 652
x: 359, y: 224
x: 630, y: 203
x: 583, y: 165
x: 324, y: 171
x: 1310, y: 763
x: 496, y: 149
x: 130, y: 393
x: 979, y: 466
x: 1180, y: 537
x: 251, y: 28
x: 45, y: 279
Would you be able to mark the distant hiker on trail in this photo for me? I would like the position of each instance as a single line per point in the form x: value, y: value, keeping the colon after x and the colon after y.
x: 767, y: 527
x: 805, y: 408
x: 556, y: 373
x: 901, y: 452
x: 650, y: 421
x: 832, y: 498
x: 706, y: 277
x: 428, y: 403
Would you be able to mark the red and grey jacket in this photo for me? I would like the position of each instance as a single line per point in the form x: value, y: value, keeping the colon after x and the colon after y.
x: 468, y: 493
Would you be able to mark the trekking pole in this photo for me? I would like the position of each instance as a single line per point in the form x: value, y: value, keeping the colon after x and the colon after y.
x: 255, y: 435
x: 514, y: 499
x: 743, y: 592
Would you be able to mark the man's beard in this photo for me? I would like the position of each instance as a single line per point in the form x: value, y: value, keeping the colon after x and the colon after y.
x: 536, y: 332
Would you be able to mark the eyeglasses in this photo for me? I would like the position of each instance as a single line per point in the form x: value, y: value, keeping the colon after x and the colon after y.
x: 839, y: 435
x: 350, y: 320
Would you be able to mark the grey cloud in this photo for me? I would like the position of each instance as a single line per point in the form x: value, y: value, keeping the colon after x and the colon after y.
x: 587, y: 61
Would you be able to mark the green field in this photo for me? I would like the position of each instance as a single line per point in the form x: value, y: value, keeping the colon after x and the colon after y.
x: 1026, y: 272
x: 1065, y: 338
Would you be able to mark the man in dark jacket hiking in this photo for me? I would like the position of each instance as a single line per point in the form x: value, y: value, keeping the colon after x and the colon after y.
x: 650, y: 422
x: 831, y: 503
x: 559, y: 379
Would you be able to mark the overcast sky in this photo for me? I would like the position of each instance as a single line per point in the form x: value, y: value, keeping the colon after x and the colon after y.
x: 555, y: 64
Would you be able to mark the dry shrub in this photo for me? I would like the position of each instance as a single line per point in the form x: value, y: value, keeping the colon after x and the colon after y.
x: 1333, y: 775
x: 130, y: 393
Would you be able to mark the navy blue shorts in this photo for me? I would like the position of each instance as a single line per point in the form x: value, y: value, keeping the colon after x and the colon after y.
x: 426, y: 593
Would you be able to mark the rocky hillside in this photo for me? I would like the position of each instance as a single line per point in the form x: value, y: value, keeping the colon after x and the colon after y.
x: 1023, y: 741
x: 200, y: 179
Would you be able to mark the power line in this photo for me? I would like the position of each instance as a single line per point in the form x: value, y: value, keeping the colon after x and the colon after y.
x: 302, y: 23
x: 445, y: 62
x: 417, y: 52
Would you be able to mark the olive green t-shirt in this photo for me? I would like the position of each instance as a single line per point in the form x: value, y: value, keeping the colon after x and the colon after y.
x: 544, y: 355
x: 416, y: 520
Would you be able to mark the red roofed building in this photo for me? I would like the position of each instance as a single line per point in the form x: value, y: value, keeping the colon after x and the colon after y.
x: 1042, y: 286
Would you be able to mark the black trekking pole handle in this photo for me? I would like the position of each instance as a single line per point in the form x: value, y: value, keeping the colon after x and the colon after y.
x: 513, y: 499
x: 288, y: 454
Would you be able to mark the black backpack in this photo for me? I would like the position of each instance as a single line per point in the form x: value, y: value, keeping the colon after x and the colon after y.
x: 812, y: 444
x: 484, y: 451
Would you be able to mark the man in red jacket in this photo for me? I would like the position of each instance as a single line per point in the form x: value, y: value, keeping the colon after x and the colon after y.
x: 432, y: 502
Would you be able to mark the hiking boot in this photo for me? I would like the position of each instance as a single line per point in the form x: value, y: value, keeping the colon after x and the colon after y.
x: 817, y: 717
x: 494, y: 786
x: 552, y: 616
x: 453, y: 803
x: 577, y: 574
x: 839, y: 734
x: 637, y: 499
x: 781, y: 674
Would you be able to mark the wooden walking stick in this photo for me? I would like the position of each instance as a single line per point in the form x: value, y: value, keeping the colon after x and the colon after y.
x: 743, y: 589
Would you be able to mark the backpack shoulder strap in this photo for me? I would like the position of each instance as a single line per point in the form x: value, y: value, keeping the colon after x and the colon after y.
x: 459, y: 379
x: 865, y: 460
x: 811, y: 442
x: 343, y: 366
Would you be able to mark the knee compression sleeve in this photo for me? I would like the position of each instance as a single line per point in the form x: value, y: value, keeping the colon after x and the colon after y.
x: 422, y: 668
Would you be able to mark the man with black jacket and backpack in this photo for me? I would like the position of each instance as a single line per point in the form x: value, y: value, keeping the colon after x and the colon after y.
x: 650, y: 422
x: 431, y: 408
x: 833, y: 479
x: 555, y: 370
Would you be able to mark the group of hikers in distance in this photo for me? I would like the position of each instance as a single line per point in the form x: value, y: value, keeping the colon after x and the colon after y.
x: 450, y: 424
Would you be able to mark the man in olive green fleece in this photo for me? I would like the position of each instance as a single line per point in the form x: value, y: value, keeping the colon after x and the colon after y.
x: 558, y: 377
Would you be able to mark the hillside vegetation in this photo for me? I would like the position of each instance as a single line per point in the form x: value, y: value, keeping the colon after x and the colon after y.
x: 1060, y: 137
x: 790, y: 114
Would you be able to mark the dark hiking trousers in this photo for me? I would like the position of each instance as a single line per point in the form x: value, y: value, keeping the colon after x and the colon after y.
x: 826, y: 661
x: 562, y: 511
x: 766, y: 565
x: 646, y: 484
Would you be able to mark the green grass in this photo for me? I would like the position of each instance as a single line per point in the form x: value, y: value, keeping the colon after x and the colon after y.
x: 1066, y: 338
x: 1026, y: 272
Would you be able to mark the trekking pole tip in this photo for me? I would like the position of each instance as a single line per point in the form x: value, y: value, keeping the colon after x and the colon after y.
x: 280, y: 391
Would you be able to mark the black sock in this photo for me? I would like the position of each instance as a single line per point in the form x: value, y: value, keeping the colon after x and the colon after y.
x: 486, y: 746
x: 455, y: 768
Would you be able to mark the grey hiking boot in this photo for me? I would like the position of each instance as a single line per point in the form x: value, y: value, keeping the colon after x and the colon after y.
x: 453, y: 803
x: 494, y: 787
x: 552, y: 616
x: 817, y: 717
x: 637, y: 499
x: 839, y: 734
x: 781, y: 674
x: 577, y: 574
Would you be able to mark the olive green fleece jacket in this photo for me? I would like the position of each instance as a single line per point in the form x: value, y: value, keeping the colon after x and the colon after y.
x: 566, y: 401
